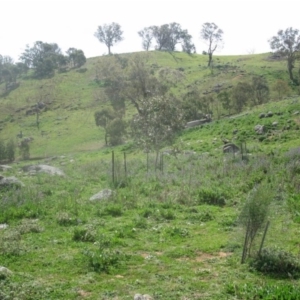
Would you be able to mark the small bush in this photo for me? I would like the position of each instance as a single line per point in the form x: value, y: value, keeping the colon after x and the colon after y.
x: 84, y: 234
x: 28, y: 226
x: 10, y: 243
x: 276, y: 262
x: 65, y: 219
x: 104, y: 259
x: 211, y: 197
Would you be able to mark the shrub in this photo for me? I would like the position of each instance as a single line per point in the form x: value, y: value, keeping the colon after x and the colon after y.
x: 104, y: 259
x: 211, y: 197
x: 276, y: 262
x: 10, y: 243
x: 265, y: 291
x: 28, y: 226
x: 65, y: 219
x: 84, y: 234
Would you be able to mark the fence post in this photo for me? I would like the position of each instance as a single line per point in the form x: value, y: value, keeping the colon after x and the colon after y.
x: 263, y: 239
x: 125, y: 164
x: 113, y: 166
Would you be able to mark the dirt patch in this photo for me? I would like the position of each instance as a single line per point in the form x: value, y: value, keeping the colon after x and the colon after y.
x: 206, y: 256
x: 83, y: 293
x: 238, y: 77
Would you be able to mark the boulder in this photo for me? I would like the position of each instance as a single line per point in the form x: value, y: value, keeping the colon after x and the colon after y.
x: 262, y: 115
x: 259, y: 129
x: 10, y: 182
x: 103, y: 195
x: 269, y: 114
x: 33, y: 169
x: 3, y: 226
x: 4, y: 272
x: 5, y: 168
x: 230, y: 148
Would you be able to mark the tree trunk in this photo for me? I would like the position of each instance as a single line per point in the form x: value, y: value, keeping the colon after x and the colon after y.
x: 290, y: 68
x: 209, y: 59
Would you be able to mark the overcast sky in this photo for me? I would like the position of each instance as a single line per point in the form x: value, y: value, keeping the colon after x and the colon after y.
x: 247, y: 25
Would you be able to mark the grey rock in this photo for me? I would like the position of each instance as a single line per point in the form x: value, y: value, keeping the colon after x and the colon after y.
x: 33, y: 169
x: 142, y: 297
x: 230, y: 148
x: 259, y: 129
x: 4, y: 272
x: 262, y: 115
x: 103, y: 195
x: 296, y: 113
x: 274, y: 124
x: 10, y: 182
x: 5, y: 168
x: 3, y: 226
x: 269, y: 114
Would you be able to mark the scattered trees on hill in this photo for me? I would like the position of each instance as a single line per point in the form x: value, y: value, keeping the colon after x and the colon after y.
x: 147, y: 36
x: 109, y: 34
x: 76, y: 57
x: 42, y: 57
x: 45, y: 58
x: 167, y: 37
x: 149, y: 90
x: 287, y: 43
x: 9, y: 72
x: 213, y: 36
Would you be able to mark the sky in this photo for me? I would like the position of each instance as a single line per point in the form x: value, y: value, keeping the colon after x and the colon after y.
x: 247, y: 25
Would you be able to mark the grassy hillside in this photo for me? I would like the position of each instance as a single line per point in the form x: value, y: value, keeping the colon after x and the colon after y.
x: 72, y: 98
x: 174, y: 233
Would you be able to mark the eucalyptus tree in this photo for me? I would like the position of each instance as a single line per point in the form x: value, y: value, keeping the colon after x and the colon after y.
x: 213, y: 36
x: 287, y: 44
x: 109, y: 34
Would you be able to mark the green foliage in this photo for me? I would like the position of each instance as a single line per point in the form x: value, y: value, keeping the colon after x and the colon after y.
x: 10, y: 243
x: 7, y: 150
x: 104, y: 259
x: 254, y: 213
x: 167, y: 37
x: 109, y: 34
x: 42, y: 57
x: 76, y: 57
x: 211, y: 196
x: 84, y: 234
x: 116, y: 130
x: 276, y: 262
x: 66, y: 219
x: 267, y: 291
x: 24, y: 149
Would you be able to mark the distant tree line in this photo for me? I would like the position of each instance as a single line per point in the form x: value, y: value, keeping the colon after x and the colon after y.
x: 43, y: 59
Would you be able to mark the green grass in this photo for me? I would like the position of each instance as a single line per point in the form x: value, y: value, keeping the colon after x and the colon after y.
x: 174, y: 234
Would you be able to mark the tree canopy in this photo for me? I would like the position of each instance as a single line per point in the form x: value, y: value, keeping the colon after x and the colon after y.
x: 109, y: 34
x: 287, y: 43
x: 167, y: 37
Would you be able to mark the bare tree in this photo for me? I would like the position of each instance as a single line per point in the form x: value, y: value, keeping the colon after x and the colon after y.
x: 109, y: 34
x: 213, y: 36
x: 287, y: 43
